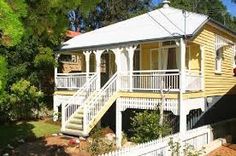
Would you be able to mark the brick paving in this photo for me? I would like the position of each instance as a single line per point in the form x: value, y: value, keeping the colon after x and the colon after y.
x: 226, y: 150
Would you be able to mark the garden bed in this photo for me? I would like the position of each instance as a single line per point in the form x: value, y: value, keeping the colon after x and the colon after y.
x: 44, y: 138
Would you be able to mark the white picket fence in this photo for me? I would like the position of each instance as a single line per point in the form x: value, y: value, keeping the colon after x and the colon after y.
x: 197, y: 138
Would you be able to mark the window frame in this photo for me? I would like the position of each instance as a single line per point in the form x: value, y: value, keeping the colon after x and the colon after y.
x: 218, y: 60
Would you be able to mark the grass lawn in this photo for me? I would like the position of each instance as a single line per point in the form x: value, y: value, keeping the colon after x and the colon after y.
x: 9, y: 134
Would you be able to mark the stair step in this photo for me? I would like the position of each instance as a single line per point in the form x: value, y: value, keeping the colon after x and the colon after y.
x: 78, y: 116
x: 74, y: 126
x: 76, y: 121
x: 80, y: 111
x: 73, y: 132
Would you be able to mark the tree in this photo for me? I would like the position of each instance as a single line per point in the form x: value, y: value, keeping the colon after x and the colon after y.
x: 3, y: 74
x: 29, y: 32
x: 4, y: 107
x: 146, y: 127
x: 48, y: 21
x: 112, y: 11
x: 213, y: 8
x: 11, y: 27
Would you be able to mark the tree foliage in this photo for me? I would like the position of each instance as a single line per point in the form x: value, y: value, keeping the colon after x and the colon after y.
x: 3, y: 74
x: 25, y: 99
x: 48, y: 21
x: 213, y: 8
x: 146, y: 127
x: 29, y: 33
x: 112, y: 11
x: 11, y: 27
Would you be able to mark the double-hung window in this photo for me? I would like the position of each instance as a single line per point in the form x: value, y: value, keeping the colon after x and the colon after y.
x: 219, y: 48
x: 218, y: 60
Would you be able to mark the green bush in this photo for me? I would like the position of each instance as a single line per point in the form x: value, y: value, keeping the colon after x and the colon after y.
x: 25, y: 100
x: 4, y: 106
x: 146, y: 127
x: 188, y: 150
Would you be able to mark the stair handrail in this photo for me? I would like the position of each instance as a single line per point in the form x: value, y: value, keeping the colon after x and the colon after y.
x: 91, y: 103
x: 85, y: 91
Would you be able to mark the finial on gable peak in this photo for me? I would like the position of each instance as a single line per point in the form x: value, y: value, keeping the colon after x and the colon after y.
x: 166, y: 3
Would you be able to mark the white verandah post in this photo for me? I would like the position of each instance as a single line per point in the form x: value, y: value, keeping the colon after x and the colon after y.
x: 131, y: 51
x: 202, y: 67
x: 63, y: 116
x: 117, y: 52
x: 98, y: 54
x: 56, y: 70
x: 183, y: 125
x: 87, y: 58
x: 182, y: 111
x: 118, y: 125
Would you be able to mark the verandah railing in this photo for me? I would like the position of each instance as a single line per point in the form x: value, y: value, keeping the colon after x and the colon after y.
x: 155, y: 80
x: 143, y: 80
x: 71, y: 80
x: 150, y: 80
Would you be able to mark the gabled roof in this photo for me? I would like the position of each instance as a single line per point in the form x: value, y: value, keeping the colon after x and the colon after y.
x: 166, y: 22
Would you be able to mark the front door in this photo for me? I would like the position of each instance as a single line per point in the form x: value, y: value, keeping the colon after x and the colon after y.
x: 108, y: 66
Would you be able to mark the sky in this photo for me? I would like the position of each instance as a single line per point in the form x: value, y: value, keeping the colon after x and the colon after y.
x: 230, y: 6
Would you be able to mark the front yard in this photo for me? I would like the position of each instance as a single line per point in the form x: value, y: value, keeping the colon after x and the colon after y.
x: 17, y: 133
x: 43, y: 138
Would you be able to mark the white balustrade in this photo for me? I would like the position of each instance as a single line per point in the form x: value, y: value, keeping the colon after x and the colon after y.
x: 147, y: 103
x: 71, y: 80
x: 193, y: 80
x: 151, y: 80
x: 94, y: 105
x: 78, y: 99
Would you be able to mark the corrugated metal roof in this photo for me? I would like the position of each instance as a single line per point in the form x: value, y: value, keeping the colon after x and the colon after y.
x: 161, y: 23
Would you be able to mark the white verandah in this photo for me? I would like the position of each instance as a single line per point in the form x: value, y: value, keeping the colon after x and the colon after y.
x: 164, y: 69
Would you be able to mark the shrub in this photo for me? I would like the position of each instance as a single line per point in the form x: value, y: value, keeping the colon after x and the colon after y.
x: 188, y: 150
x: 146, y: 127
x: 26, y: 100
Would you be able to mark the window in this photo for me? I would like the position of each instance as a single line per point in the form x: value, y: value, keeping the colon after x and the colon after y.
x: 68, y: 58
x: 168, y: 43
x: 188, y: 58
x: 218, y: 60
x: 154, y: 58
x: 220, y: 43
x: 172, y: 63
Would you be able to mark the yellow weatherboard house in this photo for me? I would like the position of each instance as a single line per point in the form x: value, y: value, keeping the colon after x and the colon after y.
x: 187, y: 57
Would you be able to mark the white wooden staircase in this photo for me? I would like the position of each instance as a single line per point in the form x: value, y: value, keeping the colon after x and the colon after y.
x: 87, y: 106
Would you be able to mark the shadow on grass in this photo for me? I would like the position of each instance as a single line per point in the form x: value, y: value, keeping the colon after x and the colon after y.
x: 25, y: 142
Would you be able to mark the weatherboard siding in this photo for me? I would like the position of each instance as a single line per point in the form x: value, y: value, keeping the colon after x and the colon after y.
x: 216, y: 84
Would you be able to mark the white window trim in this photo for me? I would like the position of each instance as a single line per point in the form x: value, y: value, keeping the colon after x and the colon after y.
x: 218, y: 62
x: 219, y: 44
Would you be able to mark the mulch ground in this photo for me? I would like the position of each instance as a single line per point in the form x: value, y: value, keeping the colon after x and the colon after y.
x: 226, y: 150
